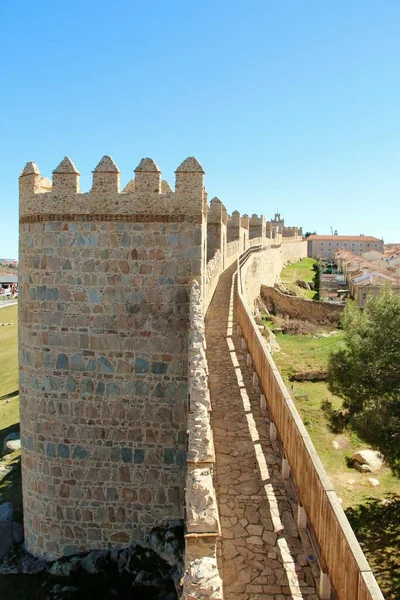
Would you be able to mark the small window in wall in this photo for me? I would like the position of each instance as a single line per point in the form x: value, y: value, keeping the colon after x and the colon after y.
x: 376, y: 245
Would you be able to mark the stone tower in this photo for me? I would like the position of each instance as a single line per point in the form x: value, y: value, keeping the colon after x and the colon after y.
x: 103, y: 325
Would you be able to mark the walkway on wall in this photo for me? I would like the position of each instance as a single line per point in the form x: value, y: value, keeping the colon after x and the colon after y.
x: 261, y: 556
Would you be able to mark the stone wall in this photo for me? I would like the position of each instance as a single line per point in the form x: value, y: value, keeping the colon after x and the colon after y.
x: 321, y: 313
x: 103, y: 341
x: 215, y: 266
x: 233, y: 249
x: 214, y: 270
x: 216, y: 229
x: 265, y: 267
x: 202, y: 526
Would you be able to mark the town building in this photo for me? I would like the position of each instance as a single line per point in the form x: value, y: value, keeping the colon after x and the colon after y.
x: 324, y: 246
x: 363, y: 278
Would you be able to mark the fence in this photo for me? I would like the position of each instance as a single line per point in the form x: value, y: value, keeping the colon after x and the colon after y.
x: 343, y: 564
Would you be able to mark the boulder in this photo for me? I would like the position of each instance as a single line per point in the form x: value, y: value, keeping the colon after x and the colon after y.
x: 6, y: 538
x: 317, y: 375
x: 284, y: 290
x: 303, y: 284
x: 18, y: 532
x: 362, y: 468
x: 11, y: 443
x: 370, y: 458
x: 269, y: 335
x: 20, y: 562
x: 94, y: 562
x: 168, y: 541
x: 372, y: 481
x: 6, y: 511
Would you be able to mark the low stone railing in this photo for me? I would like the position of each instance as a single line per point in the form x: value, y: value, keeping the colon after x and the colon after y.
x: 202, y: 527
x: 344, y: 570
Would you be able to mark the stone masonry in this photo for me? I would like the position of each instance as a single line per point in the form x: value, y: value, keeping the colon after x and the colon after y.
x: 104, y: 279
x: 104, y: 326
x: 133, y: 411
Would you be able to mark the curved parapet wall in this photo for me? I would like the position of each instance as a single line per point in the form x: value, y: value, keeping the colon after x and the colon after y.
x: 342, y: 562
x: 104, y: 281
x: 264, y: 268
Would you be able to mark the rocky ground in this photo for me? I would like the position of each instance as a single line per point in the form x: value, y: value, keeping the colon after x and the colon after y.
x: 151, y: 573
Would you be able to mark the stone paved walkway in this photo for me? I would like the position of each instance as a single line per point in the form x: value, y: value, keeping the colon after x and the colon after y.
x: 261, y: 556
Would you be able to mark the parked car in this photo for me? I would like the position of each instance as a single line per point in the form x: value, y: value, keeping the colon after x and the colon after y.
x: 5, y: 292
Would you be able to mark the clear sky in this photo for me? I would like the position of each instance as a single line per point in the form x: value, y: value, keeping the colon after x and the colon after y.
x: 289, y: 104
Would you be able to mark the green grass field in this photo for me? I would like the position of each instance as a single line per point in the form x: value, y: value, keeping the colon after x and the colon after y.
x: 300, y: 270
x: 378, y: 534
x: 10, y: 485
x: 299, y: 353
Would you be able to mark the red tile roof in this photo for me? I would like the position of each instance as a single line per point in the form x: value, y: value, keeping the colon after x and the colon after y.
x: 344, y: 238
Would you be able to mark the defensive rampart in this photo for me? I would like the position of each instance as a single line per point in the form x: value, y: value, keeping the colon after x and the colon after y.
x: 265, y: 267
x: 105, y: 337
x: 345, y: 572
x: 103, y: 344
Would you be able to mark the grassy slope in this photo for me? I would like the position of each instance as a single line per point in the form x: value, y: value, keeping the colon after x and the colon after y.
x: 378, y: 534
x: 300, y: 270
x: 305, y: 352
x: 9, y: 404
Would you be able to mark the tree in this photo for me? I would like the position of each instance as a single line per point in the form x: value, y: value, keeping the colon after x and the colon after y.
x: 308, y: 233
x: 365, y: 372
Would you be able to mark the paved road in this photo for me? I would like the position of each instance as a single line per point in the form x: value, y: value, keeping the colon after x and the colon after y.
x: 4, y: 304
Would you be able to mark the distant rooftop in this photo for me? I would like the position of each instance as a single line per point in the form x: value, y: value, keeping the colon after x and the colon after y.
x: 344, y: 238
x: 8, y: 279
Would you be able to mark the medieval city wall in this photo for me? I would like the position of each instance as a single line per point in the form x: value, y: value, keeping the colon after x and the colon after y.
x: 104, y: 342
x: 321, y: 313
x: 104, y: 281
x: 265, y: 267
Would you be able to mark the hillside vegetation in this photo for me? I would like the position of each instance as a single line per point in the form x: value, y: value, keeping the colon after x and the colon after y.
x: 303, y: 271
x: 372, y: 511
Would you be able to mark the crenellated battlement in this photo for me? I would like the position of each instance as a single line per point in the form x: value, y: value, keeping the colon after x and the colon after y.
x: 276, y: 229
x: 257, y: 226
x: 217, y: 212
x: 244, y: 221
x: 104, y: 283
x: 146, y: 194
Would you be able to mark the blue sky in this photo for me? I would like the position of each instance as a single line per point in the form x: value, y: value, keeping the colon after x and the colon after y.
x: 292, y: 104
